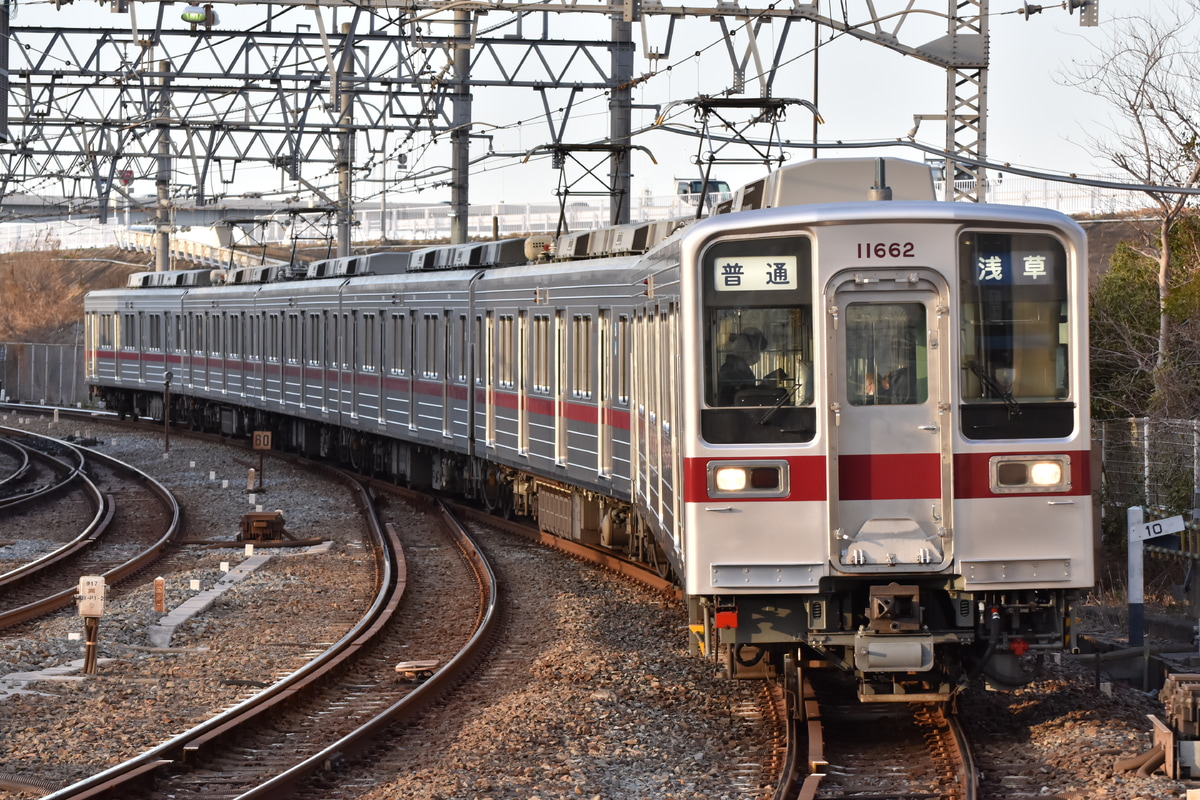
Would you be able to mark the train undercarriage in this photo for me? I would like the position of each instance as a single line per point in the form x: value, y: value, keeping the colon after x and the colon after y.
x: 912, y: 642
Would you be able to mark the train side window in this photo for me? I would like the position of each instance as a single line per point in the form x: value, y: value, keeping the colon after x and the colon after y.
x: 541, y: 354
x: 429, y: 363
x: 1014, y: 336
x: 154, y: 341
x: 623, y: 351
x: 235, y: 334
x: 293, y: 339
x: 128, y: 332
x: 886, y: 354
x: 312, y: 336
x: 398, y: 348
x: 198, y: 339
x: 581, y: 356
x: 464, y: 348
x: 481, y: 349
x: 506, y: 357
x: 214, y: 334
x: 369, y: 340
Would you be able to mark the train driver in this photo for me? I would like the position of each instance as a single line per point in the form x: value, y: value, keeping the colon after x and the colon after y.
x: 737, y: 373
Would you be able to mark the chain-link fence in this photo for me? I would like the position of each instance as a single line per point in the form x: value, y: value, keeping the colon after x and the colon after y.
x: 1153, y: 463
x: 42, y: 373
x: 1148, y: 462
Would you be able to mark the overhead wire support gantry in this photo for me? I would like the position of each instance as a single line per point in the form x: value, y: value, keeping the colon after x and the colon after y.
x: 343, y: 101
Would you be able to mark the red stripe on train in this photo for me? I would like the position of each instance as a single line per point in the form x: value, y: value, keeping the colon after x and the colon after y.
x: 889, y: 476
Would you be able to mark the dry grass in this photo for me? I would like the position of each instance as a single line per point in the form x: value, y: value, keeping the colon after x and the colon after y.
x: 42, y: 289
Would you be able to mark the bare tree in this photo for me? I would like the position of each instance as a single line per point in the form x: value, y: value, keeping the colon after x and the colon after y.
x: 1148, y: 71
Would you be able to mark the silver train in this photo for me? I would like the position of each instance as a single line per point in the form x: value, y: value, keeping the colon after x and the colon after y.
x: 852, y: 421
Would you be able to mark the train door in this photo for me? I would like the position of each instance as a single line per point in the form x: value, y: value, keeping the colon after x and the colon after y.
x: 488, y: 370
x: 447, y: 372
x: 890, y: 457
x: 331, y: 380
x: 218, y: 343
x: 604, y: 367
x: 560, y: 357
x: 522, y: 382
x: 141, y: 344
x: 413, y: 372
x: 352, y: 359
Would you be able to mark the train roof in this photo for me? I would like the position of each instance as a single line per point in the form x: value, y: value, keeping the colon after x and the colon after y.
x: 834, y: 180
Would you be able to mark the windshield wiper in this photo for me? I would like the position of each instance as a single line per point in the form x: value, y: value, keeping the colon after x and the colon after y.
x: 1010, y: 402
x: 770, y: 412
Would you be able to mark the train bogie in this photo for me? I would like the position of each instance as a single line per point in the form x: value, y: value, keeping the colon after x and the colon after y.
x: 852, y: 430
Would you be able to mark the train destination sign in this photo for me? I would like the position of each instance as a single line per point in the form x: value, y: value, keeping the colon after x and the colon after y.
x: 1019, y: 266
x: 755, y: 273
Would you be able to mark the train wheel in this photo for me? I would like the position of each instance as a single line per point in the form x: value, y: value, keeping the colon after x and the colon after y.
x: 495, y: 491
x: 490, y: 487
x: 658, y: 560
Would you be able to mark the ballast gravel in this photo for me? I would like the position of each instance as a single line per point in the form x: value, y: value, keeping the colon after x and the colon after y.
x: 1056, y: 738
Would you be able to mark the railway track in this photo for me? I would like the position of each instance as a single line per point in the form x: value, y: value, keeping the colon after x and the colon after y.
x: 14, y: 464
x: 881, y: 750
x: 324, y: 711
x: 129, y: 522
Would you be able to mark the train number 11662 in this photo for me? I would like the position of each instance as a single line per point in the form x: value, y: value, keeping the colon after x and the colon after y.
x: 886, y: 250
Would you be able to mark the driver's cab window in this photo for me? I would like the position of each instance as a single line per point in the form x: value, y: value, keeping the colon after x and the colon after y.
x: 761, y: 356
x: 757, y: 365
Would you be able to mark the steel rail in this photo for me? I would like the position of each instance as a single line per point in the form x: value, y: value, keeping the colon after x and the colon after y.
x: 965, y: 779
x: 968, y: 776
x: 103, y: 511
x: 22, y: 455
x: 72, y: 472
x: 118, y: 781
x: 412, y: 704
x: 113, y: 576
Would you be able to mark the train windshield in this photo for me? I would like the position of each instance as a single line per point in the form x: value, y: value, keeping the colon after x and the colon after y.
x: 1014, y: 336
x: 886, y: 360
x: 758, y: 339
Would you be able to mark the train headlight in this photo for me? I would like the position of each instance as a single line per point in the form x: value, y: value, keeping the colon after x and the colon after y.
x: 747, y: 479
x: 730, y: 479
x: 1030, y: 474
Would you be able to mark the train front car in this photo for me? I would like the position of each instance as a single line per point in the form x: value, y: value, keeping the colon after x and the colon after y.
x: 891, y: 470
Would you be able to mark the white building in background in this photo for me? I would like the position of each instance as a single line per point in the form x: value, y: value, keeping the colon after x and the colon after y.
x: 402, y: 222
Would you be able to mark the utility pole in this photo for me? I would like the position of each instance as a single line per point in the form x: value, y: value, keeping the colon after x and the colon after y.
x: 343, y: 85
x: 162, y: 180
x: 620, y: 116
x: 460, y: 130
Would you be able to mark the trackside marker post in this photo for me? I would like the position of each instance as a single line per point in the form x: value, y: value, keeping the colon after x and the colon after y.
x: 1139, y: 532
x: 90, y: 601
